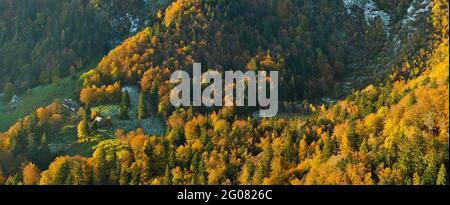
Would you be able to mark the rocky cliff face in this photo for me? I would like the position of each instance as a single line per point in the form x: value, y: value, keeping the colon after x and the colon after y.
x: 128, y: 17
x: 399, y: 32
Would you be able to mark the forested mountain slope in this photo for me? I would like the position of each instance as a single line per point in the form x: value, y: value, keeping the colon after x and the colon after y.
x: 316, y: 46
x: 42, y: 41
x: 393, y: 131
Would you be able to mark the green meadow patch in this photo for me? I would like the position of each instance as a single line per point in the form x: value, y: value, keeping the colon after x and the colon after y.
x: 35, y: 98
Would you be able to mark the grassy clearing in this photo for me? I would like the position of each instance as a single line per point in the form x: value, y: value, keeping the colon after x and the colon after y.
x: 150, y: 126
x: 85, y: 149
x: 67, y: 142
x: 37, y: 97
x: 41, y: 96
x: 108, y: 111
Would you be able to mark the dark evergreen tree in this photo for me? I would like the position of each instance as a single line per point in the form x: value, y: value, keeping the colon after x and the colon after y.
x: 142, y: 108
x: 124, y: 105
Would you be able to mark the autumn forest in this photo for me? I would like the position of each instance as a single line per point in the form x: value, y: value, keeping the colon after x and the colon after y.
x: 85, y: 92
